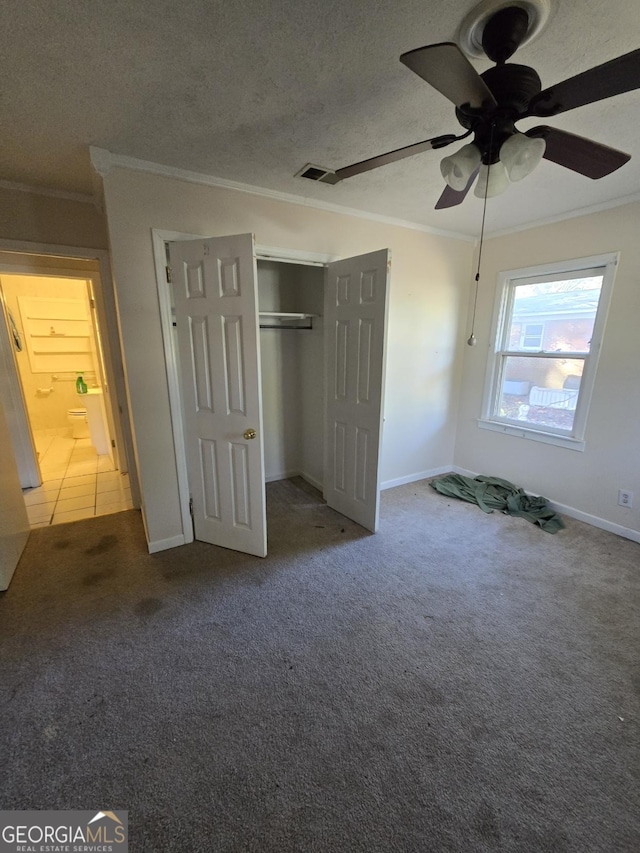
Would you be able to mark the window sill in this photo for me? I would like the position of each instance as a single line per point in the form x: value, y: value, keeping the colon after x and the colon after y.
x: 533, y: 434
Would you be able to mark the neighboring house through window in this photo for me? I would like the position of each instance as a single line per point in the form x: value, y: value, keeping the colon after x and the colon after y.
x: 531, y: 336
x: 547, y: 332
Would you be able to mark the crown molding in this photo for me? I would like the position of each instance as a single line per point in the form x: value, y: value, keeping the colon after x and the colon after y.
x: 570, y: 214
x: 103, y: 161
x: 85, y: 198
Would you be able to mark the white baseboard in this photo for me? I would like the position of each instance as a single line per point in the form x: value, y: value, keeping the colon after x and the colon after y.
x: 282, y: 475
x: 287, y: 475
x: 578, y: 514
x: 165, y: 544
x: 413, y: 478
x: 312, y: 481
x: 456, y: 469
x: 602, y: 523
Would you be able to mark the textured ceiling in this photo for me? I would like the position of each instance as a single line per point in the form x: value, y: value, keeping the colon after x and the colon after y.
x: 251, y: 91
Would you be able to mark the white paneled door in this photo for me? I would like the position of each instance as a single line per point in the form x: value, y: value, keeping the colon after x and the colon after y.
x: 355, y: 328
x: 215, y: 291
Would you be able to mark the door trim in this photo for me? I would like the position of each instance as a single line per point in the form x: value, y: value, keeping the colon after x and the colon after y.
x: 160, y: 238
x: 17, y: 417
x: 294, y: 256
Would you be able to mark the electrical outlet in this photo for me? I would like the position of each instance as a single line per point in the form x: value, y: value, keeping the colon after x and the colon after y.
x: 625, y: 498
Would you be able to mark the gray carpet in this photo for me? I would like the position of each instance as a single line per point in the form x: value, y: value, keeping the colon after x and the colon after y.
x: 458, y: 682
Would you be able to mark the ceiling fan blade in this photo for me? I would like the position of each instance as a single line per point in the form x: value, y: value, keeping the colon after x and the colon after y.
x: 451, y: 197
x: 446, y: 68
x: 579, y: 154
x: 389, y: 157
x: 604, y: 81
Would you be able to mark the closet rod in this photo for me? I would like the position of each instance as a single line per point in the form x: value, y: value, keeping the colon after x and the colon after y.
x: 299, y: 328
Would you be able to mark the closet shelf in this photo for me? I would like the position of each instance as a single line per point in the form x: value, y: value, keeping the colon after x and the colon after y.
x: 56, y: 319
x: 285, y: 315
x: 60, y: 352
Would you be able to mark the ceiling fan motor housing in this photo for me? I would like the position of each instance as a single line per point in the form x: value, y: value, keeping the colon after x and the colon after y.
x: 513, y: 86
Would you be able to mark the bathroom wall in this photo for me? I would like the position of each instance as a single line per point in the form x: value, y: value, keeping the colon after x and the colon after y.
x: 47, y: 409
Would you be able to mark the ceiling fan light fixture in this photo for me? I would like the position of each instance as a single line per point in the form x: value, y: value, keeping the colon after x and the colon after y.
x: 458, y: 168
x: 520, y: 155
x: 492, y: 181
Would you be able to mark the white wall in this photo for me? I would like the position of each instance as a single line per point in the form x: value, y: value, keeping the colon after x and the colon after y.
x: 587, y: 481
x: 430, y: 281
x: 14, y: 524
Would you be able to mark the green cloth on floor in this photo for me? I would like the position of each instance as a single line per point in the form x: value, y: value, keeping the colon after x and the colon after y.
x: 493, y: 493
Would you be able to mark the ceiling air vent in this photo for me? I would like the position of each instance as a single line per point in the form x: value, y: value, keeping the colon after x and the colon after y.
x: 317, y: 173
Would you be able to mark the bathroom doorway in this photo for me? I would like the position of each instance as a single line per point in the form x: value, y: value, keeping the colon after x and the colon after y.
x: 73, y: 467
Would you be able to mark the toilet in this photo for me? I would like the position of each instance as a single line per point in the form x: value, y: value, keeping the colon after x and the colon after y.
x: 78, y: 422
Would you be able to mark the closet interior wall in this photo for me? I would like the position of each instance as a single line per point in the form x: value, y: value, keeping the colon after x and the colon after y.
x: 292, y: 363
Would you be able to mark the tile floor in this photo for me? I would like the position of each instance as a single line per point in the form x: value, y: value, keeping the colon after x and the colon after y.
x: 77, y: 483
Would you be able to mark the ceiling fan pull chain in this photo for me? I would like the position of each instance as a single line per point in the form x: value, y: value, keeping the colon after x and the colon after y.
x: 471, y: 340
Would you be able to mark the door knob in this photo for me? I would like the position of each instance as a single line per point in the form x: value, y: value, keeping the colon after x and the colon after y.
x: 249, y: 433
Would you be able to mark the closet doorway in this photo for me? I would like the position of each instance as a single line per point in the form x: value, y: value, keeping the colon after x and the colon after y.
x: 292, y: 354
x: 275, y: 370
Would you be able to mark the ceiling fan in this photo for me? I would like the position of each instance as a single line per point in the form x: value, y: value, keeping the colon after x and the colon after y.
x: 488, y: 105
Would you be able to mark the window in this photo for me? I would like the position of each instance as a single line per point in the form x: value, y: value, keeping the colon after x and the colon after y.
x: 531, y: 337
x: 547, y: 332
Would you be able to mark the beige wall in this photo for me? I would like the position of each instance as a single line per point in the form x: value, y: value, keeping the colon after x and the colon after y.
x: 429, y: 291
x: 587, y: 481
x: 35, y: 218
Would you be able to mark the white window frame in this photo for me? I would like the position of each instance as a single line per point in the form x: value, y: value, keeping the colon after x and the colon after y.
x: 507, y: 282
